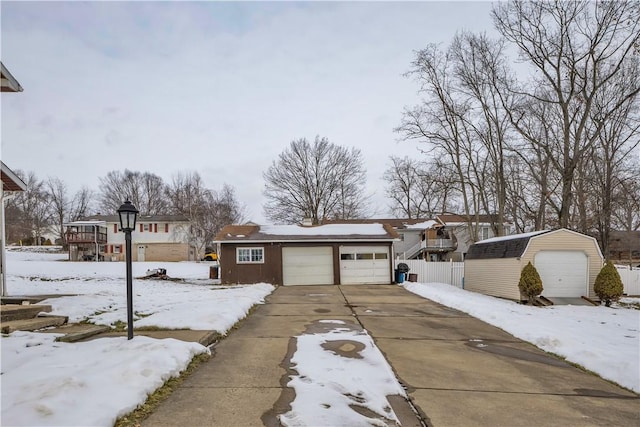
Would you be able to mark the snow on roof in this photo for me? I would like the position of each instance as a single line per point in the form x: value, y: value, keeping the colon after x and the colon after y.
x: 324, y: 230
x: 512, y: 237
x: 88, y: 222
x: 421, y: 225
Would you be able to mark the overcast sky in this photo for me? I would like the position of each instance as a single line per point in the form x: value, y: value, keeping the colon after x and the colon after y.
x: 220, y: 88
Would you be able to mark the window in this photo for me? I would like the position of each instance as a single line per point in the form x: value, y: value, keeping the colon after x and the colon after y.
x: 381, y: 255
x: 364, y: 256
x: 483, y: 233
x: 250, y: 255
x: 346, y: 257
x: 116, y: 249
x: 147, y: 227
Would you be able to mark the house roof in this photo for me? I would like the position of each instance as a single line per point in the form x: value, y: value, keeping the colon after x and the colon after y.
x: 9, y: 83
x: 455, y: 219
x: 511, y: 246
x: 11, y: 181
x: 319, y: 233
x: 397, y: 223
x: 141, y: 218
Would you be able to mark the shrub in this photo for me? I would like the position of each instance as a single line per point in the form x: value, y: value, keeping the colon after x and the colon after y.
x: 608, y: 285
x: 530, y: 282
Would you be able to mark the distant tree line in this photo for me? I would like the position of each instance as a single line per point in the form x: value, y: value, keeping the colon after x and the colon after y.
x: 47, y: 204
x: 557, y: 147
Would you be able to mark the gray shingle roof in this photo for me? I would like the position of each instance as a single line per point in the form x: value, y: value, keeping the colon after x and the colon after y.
x: 506, y: 247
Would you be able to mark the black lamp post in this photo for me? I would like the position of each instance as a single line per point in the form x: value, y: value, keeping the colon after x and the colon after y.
x: 128, y: 215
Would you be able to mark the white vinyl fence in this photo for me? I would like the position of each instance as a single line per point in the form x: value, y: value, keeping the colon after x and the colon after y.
x: 441, y: 272
x: 630, y: 279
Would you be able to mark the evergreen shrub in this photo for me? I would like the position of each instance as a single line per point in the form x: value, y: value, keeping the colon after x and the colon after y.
x: 530, y: 283
x: 608, y: 285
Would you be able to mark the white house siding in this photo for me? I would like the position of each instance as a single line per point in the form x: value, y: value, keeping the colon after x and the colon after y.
x: 565, y: 240
x: 176, y: 233
x: 496, y: 276
x: 410, y: 239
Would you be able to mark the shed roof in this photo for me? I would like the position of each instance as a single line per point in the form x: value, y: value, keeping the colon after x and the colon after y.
x: 319, y: 233
x: 502, y: 247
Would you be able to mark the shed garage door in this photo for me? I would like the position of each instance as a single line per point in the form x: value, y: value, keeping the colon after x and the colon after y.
x: 307, y: 265
x: 563, y: 273
x: 364, y: 265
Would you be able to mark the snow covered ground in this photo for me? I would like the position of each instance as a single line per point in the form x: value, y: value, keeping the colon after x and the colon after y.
x: 46, y: 383
x: 601, y: 339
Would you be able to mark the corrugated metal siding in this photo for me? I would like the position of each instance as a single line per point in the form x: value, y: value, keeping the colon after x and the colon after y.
x: 564, y: 240
x: 498, y: 277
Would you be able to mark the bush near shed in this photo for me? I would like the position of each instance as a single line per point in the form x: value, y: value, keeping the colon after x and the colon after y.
x: 608, y: 285
x: 530, y: 283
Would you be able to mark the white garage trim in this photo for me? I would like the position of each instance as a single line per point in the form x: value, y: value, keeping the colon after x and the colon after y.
x: 311, y: 265
x: 365, y: 265
x: 564, y: 274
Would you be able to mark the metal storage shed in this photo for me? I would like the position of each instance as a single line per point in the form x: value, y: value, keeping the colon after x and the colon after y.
x: 568, y: 263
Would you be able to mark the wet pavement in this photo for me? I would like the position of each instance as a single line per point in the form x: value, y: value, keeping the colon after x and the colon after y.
x: 457, y: 370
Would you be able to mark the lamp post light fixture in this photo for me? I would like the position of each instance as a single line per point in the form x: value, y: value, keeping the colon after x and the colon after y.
x: 128, y: 215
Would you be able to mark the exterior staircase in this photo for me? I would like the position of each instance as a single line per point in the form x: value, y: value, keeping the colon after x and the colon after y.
x: 28, y: 317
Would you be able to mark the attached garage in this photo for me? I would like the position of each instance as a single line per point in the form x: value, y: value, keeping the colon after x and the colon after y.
x: 307, y: 265
x: 364, y: 265
x: 568, y: 263
x: 306, y: 255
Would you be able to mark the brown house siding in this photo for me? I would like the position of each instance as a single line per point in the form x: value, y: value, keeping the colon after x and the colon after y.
x: 270, y: 271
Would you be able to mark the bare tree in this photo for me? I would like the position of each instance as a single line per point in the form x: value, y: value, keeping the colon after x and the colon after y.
x: 417, y: 190
x: 626, y: 213
x: 65, y: 208
x: 28, y: 213
x: 576, y: 48
x: 446, y: 120
x: 207, y: 210
x: 145, y: 190
x: 317, y: 181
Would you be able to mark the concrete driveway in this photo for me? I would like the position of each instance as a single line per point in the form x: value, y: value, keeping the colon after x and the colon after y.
x: 458, y: 371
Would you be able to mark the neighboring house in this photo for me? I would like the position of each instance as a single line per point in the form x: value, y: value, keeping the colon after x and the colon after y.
x: 157, y: 238
x: 446, y: 237
x: 86, y: 239
x: 459, y: 227
x: 411, y: 233
x: 568, y: 263
x: 624, y: 247
x: 314, y: 255
x: 10, y: 181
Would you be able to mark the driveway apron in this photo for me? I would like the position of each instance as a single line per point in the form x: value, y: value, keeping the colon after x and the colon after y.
x: 457, y: 370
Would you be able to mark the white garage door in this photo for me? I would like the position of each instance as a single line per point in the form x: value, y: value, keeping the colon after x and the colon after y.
x: 307, y: 265
x: 563, y: 273
x: 364, y: 265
